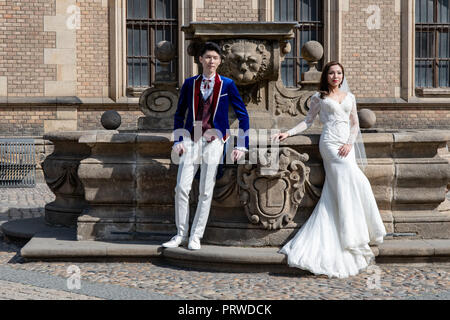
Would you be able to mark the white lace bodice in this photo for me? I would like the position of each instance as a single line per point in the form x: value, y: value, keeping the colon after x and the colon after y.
x: 331, y: 113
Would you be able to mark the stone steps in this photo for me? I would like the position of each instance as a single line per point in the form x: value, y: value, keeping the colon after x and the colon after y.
x: 49, y: 243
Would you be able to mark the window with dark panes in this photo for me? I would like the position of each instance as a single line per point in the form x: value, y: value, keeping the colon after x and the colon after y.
x: 149, y: 22
x: 432, y: 56
x: 309, y: 16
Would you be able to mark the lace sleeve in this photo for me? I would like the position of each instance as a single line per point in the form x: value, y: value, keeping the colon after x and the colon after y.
x: 314, y: 109
x: 354, y: 123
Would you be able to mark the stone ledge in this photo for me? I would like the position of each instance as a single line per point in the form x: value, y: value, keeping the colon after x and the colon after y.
x: 59, y: 244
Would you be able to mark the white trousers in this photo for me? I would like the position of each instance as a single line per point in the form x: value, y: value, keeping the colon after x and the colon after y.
x: 207, y: 156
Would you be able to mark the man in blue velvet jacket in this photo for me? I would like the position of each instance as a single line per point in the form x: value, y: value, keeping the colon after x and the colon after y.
x: 200, y: 141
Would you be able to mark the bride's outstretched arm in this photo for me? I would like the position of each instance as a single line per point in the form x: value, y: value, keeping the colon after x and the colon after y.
x: 314, y: 109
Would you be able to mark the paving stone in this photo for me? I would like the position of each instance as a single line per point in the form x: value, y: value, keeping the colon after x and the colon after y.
x: 390, y: 281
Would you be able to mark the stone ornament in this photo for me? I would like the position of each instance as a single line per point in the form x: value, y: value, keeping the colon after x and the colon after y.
x: 160, y: 102
x: 165, y: 51
x: 62, y: 177
x: 272, y: 195
x: 312, y: 52
x: 289, y: 102
x: 246, y: 61
x: 367, y: 118
x: 111, y: 120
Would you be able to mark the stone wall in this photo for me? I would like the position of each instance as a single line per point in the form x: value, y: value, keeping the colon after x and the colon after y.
x: 424, y: 118
x: 24, y: 120
x: 89, y: 116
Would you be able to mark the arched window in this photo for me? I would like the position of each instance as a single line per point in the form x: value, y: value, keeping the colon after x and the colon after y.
x: 309, y: 14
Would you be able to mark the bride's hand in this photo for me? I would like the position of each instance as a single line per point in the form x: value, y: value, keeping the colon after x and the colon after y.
x: 280, y: 136
x: 344, y: 150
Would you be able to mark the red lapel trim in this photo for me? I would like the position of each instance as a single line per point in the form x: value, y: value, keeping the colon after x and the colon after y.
x: 197, y: 83
x: 216, y: 93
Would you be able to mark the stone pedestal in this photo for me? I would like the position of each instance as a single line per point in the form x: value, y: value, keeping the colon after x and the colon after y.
x: 128, y: 181
x: 61, y: 174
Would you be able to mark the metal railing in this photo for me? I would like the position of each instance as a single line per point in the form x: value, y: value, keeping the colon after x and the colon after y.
x: 17, y: 163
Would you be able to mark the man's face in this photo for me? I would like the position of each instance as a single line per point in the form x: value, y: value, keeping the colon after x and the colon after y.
x: 210, y: 61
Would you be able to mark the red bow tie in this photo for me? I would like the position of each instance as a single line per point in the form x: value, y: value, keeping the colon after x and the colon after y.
x: 206, y: 83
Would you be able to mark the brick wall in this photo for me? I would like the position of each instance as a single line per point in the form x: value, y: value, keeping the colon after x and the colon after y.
x: 22, y: 43
x: 371, y: 57
x: 426, y: 118
x: 24, y: 121
x: 89, y: 117
x: 92, y: 49
x: 231, y: 10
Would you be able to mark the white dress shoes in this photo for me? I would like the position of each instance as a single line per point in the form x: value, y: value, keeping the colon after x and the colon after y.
x: 194, y: 243
x: 175, y: 242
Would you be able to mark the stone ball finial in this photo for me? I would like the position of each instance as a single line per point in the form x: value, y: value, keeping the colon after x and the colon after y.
x: 165, y: 51
x: 312, y: 51
x: 111, y: 120
x: 367, y: 118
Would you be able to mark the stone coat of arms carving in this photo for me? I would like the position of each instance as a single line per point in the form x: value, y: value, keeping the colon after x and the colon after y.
x: 271, y: 194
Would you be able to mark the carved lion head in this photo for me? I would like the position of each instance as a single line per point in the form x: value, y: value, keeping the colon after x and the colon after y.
x: 245, y: 61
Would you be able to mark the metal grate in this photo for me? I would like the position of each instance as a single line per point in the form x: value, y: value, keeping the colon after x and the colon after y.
x: 432, y: 43
x: 148, y: 22
x: 17, y: 163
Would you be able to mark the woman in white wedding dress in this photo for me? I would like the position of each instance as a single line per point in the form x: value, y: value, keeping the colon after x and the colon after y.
x: 335, y: 239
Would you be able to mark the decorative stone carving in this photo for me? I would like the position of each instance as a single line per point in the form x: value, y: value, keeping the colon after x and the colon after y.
x: 62, y: 177
x: 367, y: 118
x: 159, y: 102
x: 165, y: 51
x: 272, y: 200
x: 159, y: 105
x: 288, y: 102
x: 111, y: 120
x: 246, y: 61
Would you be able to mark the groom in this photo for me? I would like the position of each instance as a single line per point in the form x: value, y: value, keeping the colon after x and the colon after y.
x: 206, y: 98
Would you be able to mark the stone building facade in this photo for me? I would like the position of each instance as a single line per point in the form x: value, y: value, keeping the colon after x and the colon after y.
x: 64, y: 62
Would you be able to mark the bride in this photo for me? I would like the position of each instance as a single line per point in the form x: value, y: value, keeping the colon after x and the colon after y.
x: 335, y: 239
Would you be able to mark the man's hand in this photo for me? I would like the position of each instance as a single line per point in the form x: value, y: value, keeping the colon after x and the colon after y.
x: 344, y: 150
x: 237, y: 154
x: 179, y: 148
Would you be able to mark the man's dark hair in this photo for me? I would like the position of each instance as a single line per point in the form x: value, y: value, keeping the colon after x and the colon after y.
x: 210, y: 46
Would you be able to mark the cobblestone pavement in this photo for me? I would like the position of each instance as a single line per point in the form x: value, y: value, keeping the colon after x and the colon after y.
x: 382, y: 281
x: 17, y: 291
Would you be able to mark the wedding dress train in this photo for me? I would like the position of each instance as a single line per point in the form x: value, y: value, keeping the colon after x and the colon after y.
x: 335, y: 239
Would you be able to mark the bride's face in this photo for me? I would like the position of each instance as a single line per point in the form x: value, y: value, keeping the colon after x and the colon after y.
x: 335, y: 76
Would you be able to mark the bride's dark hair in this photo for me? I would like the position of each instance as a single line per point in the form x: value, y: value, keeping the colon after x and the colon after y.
x: 324, y: 88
